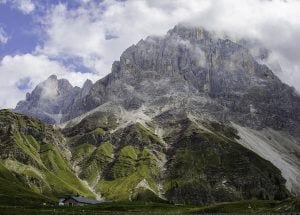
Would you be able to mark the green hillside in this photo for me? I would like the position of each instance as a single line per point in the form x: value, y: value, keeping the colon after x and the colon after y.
x: 193, y: 163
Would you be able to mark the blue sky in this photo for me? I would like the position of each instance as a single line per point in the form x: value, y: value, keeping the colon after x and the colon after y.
x: 23, y: 28
x: 80, y: 39
x: 19, y: 29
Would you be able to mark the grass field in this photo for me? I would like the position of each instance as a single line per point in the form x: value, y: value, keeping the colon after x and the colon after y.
x: 124, y: 208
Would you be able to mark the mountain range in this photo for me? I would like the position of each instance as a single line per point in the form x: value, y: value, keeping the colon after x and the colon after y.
x: 188, y: 118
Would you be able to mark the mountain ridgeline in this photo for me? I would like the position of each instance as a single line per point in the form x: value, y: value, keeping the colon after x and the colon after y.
x: 187, y: 118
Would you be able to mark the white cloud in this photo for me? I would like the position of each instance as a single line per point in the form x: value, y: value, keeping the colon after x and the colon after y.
x: 26, y: 6
x: 3, y: 36
x: 36, y: 69
x: 83, y: 32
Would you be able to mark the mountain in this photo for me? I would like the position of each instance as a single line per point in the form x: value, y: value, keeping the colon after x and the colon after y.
x: 189, y: 66
x: 50, y: 100
x: 188, y: 118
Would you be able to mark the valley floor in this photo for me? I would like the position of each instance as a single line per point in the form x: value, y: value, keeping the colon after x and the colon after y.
x: 287, y: 207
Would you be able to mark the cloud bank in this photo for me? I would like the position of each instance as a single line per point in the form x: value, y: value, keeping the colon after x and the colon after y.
x: 82, y: 41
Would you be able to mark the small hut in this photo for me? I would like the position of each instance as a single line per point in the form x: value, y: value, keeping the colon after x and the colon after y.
x: 78, y: 200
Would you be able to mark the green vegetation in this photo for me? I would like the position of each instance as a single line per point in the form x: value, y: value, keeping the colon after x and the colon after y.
x: 91, y: 123
x: 208, y: 166
x: 254, y: 206
x: 116, y: 169
x: 13, y: 192
x: 137, y: 208
x: 120, y: 208
x: 139, y: 136
x: 35, y: 161
x: 98, y: 131
x: 93, y: 165
x: 131, y: 167
x: 194, y: 164
x: 82, y: 151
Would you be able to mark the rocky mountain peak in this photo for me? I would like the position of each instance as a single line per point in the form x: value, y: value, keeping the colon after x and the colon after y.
x: 190, y: 32
x: 87, y: 85
x: 50, y: 99
x: 52, y: 77
x: 49, y: 89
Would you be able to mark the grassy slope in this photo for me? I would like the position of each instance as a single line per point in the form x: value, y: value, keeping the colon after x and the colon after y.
x: 200, y: 165
x: 121, y: 165
x: 13, y: 192
x: 131, y: 166
x: 37, y: 164
x: 135, y: 161
x: 95, y: 162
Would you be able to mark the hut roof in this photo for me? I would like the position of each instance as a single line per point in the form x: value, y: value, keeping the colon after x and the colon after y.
x: 84, y: 200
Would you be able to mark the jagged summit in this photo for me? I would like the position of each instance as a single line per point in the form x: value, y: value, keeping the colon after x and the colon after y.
x: 190, y: 32
x: 52, y: 77
x: 86, y: 87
